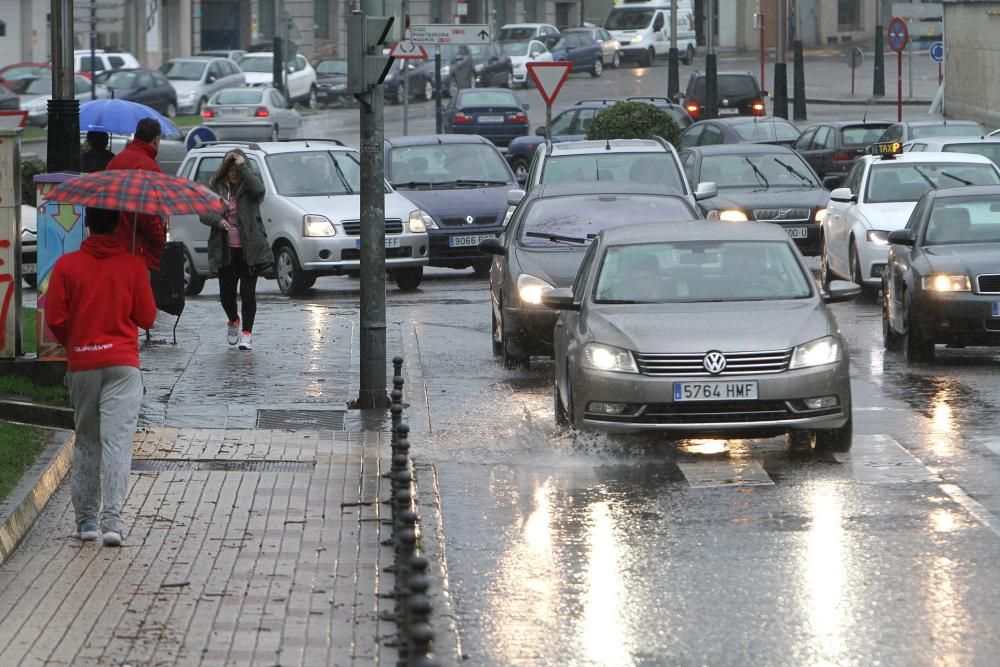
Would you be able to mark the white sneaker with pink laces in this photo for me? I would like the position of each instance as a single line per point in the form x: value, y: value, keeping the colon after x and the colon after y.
x: 233, y: 331
x: 246, y: 341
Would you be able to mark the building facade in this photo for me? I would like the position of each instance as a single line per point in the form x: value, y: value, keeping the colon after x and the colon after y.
x: 972, y: 52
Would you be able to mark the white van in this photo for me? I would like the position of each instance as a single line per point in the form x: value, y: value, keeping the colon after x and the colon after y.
x: 643, y: 29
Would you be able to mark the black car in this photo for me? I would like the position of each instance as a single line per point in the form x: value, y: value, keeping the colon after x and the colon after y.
x: 831, y: 147
x: 494, y: 113
x: 942, y: 280
x: 763, y: 183
x: 492, y: 66
x: 462, y: 182
x: 544, y: 245
x: 738, y: 94
x: 331, y: 81
x: 144, y: 86
x: 740, y: 130
x: 457, y: 72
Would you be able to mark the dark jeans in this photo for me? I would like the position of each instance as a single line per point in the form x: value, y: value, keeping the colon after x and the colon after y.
x: 237, y: 273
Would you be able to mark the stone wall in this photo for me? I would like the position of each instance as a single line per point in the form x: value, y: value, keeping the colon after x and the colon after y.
x: 972, y: 60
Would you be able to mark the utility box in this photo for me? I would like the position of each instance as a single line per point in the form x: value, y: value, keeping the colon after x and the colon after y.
x: 10, y: 235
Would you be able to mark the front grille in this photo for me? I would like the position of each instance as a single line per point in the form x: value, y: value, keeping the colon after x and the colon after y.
x: 390, y: 253
x: 353, y: 227
x: 989, y: 283
x: 461, y: 221
x: 712, y: 412
x: 737, y: 363
x: 781, y: 214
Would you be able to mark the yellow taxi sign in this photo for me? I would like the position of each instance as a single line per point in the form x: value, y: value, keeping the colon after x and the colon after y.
x: 888, y: 149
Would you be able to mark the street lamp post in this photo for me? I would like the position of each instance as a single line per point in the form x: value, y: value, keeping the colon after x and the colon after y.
x: 63, y: 145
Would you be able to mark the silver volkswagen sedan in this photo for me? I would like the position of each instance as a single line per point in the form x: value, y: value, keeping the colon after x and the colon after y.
x: 705, y: 330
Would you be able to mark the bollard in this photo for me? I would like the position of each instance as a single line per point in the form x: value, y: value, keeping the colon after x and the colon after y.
x: 397, y: 373
x: 421, y: 640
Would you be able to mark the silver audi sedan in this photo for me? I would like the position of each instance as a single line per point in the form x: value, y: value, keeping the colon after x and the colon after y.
x: 704, y: 330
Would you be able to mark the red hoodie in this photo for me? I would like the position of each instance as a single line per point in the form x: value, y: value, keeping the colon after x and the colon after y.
x: 150, y: 236
x: 98, y: 298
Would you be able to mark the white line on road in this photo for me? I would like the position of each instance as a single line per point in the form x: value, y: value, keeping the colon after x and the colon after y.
x: 973, y: 507
x: 878, y: 459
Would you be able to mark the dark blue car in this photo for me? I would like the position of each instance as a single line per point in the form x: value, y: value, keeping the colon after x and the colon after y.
x: 144, y: 86
x: 494, y: 113
x: 581, y: 49
x: 572, y: 124
x: 462, y: 182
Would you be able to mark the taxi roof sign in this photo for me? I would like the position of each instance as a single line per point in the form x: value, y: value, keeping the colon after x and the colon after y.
x: 888, y: 150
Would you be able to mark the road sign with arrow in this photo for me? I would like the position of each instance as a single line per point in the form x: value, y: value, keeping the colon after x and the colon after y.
x: 407, y: 50
x: 444, y: 33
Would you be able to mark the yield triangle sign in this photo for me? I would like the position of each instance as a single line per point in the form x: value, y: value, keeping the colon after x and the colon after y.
x: 549, y: 78
x: 407, y: 50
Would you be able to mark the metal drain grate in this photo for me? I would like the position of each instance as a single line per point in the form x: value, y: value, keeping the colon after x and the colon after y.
x: 301, y: 420
x: 215, y: 465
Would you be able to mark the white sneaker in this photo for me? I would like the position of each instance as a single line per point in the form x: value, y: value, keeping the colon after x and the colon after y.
x: 233, y: 331
x: 246, y: 341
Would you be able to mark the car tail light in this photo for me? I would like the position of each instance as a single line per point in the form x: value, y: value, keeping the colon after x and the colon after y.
x: 261, y: 112
x: 207, y: 113
x: 461, y: 118
x: 757, y: 108
x: 842, y: 156
x: 520, y: 117
x: 693, y: 109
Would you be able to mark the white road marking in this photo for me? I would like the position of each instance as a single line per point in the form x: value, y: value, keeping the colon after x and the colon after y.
x: 973, y: 507
x: 729, y: 472
x: 878, y: 459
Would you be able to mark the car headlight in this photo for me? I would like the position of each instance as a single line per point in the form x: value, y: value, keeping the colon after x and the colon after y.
x: 727, y: 215
x: 820, y: 212
x: 878, y: 237
x: 607, y: 358
x: 946, y: 283
x: 445, y: 71
x: 420, y: 222
x: 530, y: 289
x: 478, y: 68
x: 826, y: 350
x: 637, y: 39
x: 317, y: 225
x: 338, y: 86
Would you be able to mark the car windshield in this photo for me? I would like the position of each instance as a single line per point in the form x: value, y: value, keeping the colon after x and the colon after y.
x: 488, y: 98
x: 757, y: 171
x: 507, y: 34
x: 238, y: 96
x: 729, y: 85
x: 766, y: 130
x: 119, y: 79
x: 628, y: 19
x: 953, y: 130
x: 907, y: 182
x: 184, y: 70
x: 315, y: 173
x: 560, y: 222
x: 332, y: 67
x: 989, y: 149
x: 515, y: 48
x: 964, y: 220
x: 446, y: 165
x: 660, y: 168
x: 691, y: 271
x: 257, y: 63
x: 859, y: 135
x: 41, y: 86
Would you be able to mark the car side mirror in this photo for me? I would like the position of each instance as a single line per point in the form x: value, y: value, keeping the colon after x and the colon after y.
x: 514, y: 197
x: 832, y: 181
x: 560, y: 299
x: 210, y: 79
x: 900, y: 237
x: 843, y: 195
x: 540, y: 131
x: 764, y: 93
x: 841, y: 290
x: 706, y: 190
x: 492, y: 247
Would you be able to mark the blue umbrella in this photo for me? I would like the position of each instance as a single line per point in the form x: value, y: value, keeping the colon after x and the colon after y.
x: 120, y: 117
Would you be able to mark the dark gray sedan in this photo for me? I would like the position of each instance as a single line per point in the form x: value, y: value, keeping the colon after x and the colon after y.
x: 702, y: 329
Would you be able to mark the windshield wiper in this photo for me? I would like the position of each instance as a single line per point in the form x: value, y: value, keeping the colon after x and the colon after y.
x: 758, y: 173
x: 956, y: 178
x: 471, y: 181
x: 341, y: 176
x: 414, y: 184
x: 924, y: 176
x: 558, y: 238
x: 792, y: 170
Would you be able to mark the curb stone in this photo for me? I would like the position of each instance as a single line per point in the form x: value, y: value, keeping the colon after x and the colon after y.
x: 39, y: 482
x: 38, y: 414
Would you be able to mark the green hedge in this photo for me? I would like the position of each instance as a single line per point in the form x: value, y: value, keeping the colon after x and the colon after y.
x: 30, y: 167
x: 633, y: 120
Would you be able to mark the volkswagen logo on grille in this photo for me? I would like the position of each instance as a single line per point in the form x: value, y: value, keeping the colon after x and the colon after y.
x: 714, y: 362
x: 469, y: 220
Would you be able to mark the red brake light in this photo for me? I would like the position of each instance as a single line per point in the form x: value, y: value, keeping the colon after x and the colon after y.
x: 842, y: 156
x: 693, y: 109
x: 207, y: 113
x: 461, y: 118
x: 261, y: 112
x: 757, y: 108
x: 520, y: 117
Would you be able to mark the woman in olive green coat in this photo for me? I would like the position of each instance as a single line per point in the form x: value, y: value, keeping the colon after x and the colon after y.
x: 238, y: 251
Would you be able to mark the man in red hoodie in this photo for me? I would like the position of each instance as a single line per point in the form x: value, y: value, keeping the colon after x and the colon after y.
x: 149, y: 235
x: 98, y: 298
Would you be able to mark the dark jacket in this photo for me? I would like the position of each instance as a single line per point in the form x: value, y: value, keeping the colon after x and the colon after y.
x: 150, y: 236
x: 95, y: 159
x: 256, y: 249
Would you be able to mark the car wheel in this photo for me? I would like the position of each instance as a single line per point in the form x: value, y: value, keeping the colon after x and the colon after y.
x: 452, y: 89
x: 688, y: 56
x: 916, y: 348
x: 408, y: 279
x: 511, y: 360
x: 171, y: 110
x: 291, y: 280
x: 428, y: 91
x: 562, y: 416
x: 825, y: 275
x: 867, y: 291
x: 649, y: 57
x: 496, y: 334
x: 197, y: 107
x: 616, y: 60
x: 193, y: 283
x: 598, y: 69
x: 836, y: 439
x: 890, y: 339
x: 311, y: 101
x: 31, y: 279
x: 520, y: 167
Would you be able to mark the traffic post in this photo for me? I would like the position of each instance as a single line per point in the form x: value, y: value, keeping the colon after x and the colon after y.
x: 854, y: 59
x: 549, y: 79
x: 937, y: 55
x: 898, y: 37
x: 369, y: 32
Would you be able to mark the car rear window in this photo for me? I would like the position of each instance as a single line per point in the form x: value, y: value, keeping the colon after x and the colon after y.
x: 729, y: 85
x: 559, y: 222
x: 987, y: 149
x: 953, y: 130
x: 767, y: 130
x: 257, y: 63
x: 648, y: 167
x: 488, y: 98
x: 238, y: 96
x: 858, y: 135
x: 332, y: 67
x: 907, y: 182
x: 507, y: 34
x: 690, y: 271
x: 184, y: 70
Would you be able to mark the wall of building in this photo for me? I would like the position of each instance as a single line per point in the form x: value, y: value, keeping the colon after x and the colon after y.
x: 972, y: 52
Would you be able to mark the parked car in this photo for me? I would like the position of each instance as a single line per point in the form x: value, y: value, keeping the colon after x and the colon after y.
x: 878, y: 197
x: 739, y: 130
x: 103, y: 61
x: 988, y: 146
x: 942, y: 280
x: 925, y: 129
x: 420, y: 81
x: 494, y: 113
x: 492, y: 66
x: 643, y: 28
x: 545, y: 242
x: 331, y: 82
x: 831, y: 147
x: 457, y: 72
x: 518, y: 32
x: 580, y: 49
x: 738, y: 94
x: 143, y: 86
x: 610, y: 45
x: 29, y: 245
x: 251, y: 114
x: 645, y: 338
x: 312, y: 213
x: 232, y: 54
x: 10, y: 74
x: 762, y: 183
x: 461, y: 181
x: 522, y: 53
x: 9, y: 101
x: 300, y: 77
x: 197, y: 78
x: 36, y: 93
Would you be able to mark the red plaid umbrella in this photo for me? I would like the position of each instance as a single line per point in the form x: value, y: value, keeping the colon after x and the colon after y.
x: 138, y: 191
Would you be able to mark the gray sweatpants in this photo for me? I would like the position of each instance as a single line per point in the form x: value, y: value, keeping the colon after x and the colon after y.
x: 106, y: 405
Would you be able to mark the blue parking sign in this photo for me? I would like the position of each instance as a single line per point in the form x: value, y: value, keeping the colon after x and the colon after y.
x: 937, y: 52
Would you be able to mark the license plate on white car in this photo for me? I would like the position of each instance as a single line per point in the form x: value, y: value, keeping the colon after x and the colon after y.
x: 715, y: 391
x: 390, y: 242
x: 467, y: 241
x: 798, y: 232
x: 30, y: 269
x: 491, y: 119
x: 234, y: 112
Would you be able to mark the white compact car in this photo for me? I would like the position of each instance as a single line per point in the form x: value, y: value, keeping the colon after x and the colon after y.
x: 300, y: 77
x: 311, y: 211
x: 522, y: 53
x: 878, y: 197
